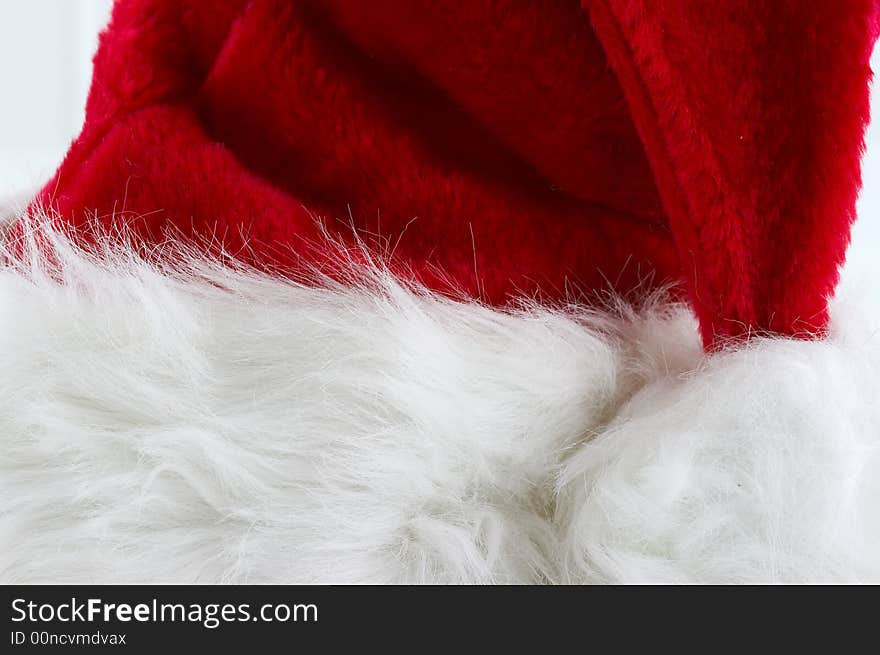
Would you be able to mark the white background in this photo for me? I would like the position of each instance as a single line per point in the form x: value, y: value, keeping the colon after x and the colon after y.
x: 45, y: 66
x: 46, y: 48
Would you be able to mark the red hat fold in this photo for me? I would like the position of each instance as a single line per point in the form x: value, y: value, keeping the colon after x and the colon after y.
x: 515, y: 148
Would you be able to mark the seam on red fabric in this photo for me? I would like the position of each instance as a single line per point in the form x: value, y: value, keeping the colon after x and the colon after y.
x: 647, y: 102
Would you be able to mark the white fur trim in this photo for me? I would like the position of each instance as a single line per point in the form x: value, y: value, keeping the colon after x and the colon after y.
x: 194, y: 422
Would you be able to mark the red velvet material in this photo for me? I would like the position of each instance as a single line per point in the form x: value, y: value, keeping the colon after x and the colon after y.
x: 530, y: 147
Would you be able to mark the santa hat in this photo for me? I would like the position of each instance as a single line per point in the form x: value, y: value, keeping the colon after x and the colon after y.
x: 321, y: 293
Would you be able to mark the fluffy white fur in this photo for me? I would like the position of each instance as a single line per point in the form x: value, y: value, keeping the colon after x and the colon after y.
x: 194, y: 422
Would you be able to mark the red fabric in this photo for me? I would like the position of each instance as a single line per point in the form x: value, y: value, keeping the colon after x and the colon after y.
x: 513, y: 147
